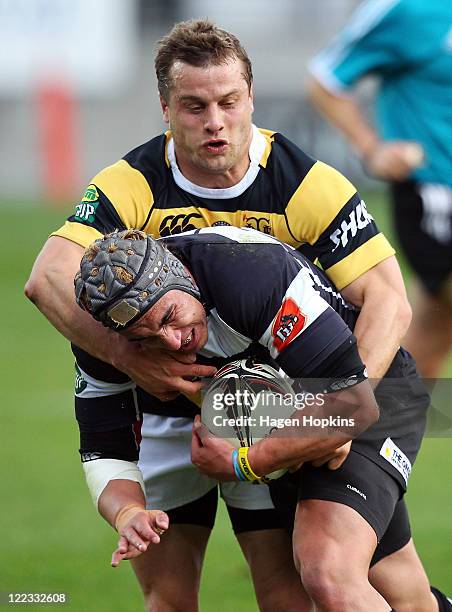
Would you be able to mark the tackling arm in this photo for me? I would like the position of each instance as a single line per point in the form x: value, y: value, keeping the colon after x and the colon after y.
x: 384, y: 317
x: 290, y: 445
x: 51, y: 289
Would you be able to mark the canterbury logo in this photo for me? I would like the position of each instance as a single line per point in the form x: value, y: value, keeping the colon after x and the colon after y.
x: 175, y: 224
x: 261, y: 224
x: 357, y: 220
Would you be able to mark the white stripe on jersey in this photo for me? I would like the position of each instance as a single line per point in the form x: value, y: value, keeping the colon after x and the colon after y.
x: 101, y: 388
x: 241, y: 235
x: 309, y: 302
x: 318, y: 284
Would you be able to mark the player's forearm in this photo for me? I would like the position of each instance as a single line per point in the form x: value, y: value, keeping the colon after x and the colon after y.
x: 379, y: 333
x: 316, y: 432
x: 51, y: 289
x: 276, y: 454
x: 118, y: 494
x: 346, y: 115
x: 384, y: 317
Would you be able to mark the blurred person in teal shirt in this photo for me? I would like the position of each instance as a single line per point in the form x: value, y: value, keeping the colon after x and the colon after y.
x: 407, y: 44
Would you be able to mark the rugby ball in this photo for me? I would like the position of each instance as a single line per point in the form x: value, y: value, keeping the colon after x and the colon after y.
x: 246, y: 401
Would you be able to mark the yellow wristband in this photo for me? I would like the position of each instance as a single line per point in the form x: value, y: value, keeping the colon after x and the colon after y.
x: 245, y: 464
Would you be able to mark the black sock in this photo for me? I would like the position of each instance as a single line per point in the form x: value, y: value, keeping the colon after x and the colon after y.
x: 443, y: 603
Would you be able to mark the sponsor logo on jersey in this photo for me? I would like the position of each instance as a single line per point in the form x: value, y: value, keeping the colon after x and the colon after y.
x: 396, y: 457
x: 288, y: 324
x: 358, y: 219
x: 261, y: 224
x: 90, y: 457
x: 86, y: 210
x: 337, y: 385
x: 80, y: 382
x: 175, y: 224
x: 355, y: 490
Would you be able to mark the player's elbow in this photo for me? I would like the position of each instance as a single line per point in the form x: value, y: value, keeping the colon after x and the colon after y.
x: 37, y: 287
x: 314, y: 90
x: 31, y: 289
x: 318, y: 95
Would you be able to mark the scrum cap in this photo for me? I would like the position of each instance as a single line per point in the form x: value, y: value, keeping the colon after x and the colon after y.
x: 124, y: 273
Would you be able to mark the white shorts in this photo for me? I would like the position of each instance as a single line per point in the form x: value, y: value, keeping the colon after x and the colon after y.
x: 172, y: 480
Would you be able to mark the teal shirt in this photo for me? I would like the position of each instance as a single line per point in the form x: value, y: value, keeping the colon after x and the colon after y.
x: 408, y: 45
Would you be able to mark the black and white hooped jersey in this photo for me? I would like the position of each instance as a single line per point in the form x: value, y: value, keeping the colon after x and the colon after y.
x: 259, y: 291
x: 262, y: 298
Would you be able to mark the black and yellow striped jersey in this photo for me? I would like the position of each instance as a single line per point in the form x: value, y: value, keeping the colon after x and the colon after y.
x: 287, y: 194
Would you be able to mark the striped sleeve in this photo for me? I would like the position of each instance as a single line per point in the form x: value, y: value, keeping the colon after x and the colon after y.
x: 118, y: 198
x: 327, y: 212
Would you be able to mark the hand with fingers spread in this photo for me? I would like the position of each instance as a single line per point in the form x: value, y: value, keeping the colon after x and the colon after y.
x: 334, y: 459
x: 137, y: 528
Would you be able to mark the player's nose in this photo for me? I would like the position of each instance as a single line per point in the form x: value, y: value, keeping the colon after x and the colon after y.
x: 171, y: 338
x: 213, y: 119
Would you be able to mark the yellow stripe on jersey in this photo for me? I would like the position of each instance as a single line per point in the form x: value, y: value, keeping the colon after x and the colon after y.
x: 364, y: 258
x: 317, y: 201
x: 169, y: 221
x: 268, y: 147
x: 78, y: 233
x: 128, y: 189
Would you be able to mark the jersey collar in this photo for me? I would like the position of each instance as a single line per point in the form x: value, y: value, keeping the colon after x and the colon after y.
x: 257, y: 149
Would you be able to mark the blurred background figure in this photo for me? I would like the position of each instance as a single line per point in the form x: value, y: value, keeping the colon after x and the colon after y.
x: 407, y: 44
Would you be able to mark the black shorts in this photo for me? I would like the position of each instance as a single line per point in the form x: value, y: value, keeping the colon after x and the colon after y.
x: 359, y: 484
x: 393, y: 442
x: 424, y: 230
x: 203, y: 511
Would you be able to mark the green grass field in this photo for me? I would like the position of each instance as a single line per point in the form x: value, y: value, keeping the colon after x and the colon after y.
x: 52, y: 539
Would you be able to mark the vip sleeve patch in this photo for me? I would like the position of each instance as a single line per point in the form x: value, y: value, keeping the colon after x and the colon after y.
x: 86, y: 210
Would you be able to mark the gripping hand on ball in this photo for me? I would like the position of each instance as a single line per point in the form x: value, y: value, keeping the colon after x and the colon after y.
x: 212, y: 456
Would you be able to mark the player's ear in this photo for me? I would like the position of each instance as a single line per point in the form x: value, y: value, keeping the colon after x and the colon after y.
x: 165, y: 109
x: 252, y: 98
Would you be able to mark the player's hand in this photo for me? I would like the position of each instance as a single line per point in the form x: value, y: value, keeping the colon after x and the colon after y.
x: 393, y: 160
x: 164, y: 374
x: 212, y: 456
x: 137, y: 528
x: 335, y: 459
